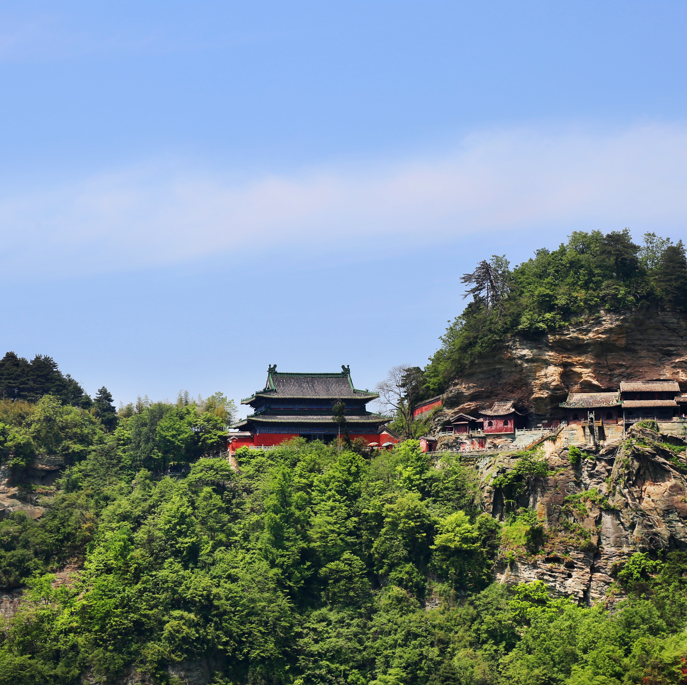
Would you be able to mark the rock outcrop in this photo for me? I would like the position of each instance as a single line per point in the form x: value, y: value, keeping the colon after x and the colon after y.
x: 595, y: 355
x: 23, y: 493
x: 585, y: 519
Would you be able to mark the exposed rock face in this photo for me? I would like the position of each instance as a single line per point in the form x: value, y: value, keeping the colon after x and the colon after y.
x: 593, y: 356
x: 10, y: 601
x: 628, y: 497
x: 40, y: 475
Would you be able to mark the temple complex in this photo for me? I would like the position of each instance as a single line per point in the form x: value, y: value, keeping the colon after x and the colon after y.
x: 303, y: 405
x: 593, y: 418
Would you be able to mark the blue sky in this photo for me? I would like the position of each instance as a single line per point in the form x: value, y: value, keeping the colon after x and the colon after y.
x: 190, y: 191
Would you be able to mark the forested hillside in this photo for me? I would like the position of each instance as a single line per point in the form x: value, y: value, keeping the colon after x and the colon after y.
x: 308, y: 564
x: 590, y: 273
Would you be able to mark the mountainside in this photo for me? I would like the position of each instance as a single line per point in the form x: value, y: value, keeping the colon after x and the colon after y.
x: 312, y: 564
x: 592, y: 356
x: 576, y: 524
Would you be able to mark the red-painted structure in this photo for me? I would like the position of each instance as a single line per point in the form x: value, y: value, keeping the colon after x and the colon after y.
x: 501, y: 418
x: 302, y: 405
x: 427, y: 406
x: 428, y: 443
x: 462, y: 423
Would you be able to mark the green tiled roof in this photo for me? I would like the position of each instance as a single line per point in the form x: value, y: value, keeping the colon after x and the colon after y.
x: 336, y: 385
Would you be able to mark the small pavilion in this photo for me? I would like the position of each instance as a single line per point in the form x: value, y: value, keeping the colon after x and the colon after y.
x: 501, y: 418
x: 463, y: 423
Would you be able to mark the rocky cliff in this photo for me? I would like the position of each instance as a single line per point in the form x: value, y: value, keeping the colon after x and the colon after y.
x: 592, y: 356
x: 573, y: 524
x: 21, y: 492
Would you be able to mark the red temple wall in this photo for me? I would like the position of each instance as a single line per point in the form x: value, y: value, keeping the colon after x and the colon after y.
x: 271, y: 439
x: 425, y: 408
x: 498, y: 424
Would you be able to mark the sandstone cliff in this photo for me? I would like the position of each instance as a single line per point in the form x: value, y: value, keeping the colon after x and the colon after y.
x: 591, y: 356
x: 587, y: 518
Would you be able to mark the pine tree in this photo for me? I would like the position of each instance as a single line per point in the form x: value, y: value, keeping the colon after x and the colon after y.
x: 339, y: 417
x: 489, y: 282
x: 14, y: 377
x: 104, y: 409
x: 621, y: 254
x: 671, y: 277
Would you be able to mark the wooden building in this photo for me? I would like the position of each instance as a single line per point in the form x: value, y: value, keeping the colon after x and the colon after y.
x: 501, y: 418
x: 650, y: 400
x: 462, y: 423
x: 301, y: 405
x: 585, y: 407
x: 597, y: 415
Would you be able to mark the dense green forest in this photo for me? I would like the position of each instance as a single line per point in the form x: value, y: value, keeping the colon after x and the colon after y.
x: 590, y: 273
x: 306, y: 564
x: 21, y: 379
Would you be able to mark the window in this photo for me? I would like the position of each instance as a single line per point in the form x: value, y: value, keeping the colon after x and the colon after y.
x: 505, y: 423
x: 490, y: 423
x: 575, y: 417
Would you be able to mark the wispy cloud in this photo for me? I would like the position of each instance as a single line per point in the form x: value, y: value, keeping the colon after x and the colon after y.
x: 499, y: 181
x: 33, y: 36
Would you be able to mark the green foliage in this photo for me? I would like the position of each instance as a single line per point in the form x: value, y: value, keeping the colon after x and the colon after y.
x: 522, y: 532
x: 30, y: 380
x: 49, y: 429
x: 639, y: 567
x: 464, y: 552
x: 309, y: 564
x: 574, y: 454
x: 512, y: 482
x: 589, y: 273
x: 592, y: 495
x: 650, y: 424
x: 104, y: 410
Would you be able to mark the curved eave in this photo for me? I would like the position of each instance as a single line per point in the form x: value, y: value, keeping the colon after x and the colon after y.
x: 572, y: 405
x: 362, y: 396
x: 378, y: 420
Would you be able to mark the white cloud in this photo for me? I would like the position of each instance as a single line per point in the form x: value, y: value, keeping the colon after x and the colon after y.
x: 504, y: 180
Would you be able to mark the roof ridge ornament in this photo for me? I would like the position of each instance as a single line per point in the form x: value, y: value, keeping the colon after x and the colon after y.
x: 271, y: 368
x: 345, y: 369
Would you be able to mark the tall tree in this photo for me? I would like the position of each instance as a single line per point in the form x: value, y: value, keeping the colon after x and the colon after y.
x: 652, y: 250
x: 671, y: 277
x: 339, y: 416
x: 14, y: 376
x: 104, y: 409
x: 398, y: 393
x: 619, y: 253
x: 23, y: 380
x: 489, y: 282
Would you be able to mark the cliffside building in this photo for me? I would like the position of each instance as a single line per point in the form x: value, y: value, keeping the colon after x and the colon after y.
x: 463, y: 423
x: 583, y: 407
x: 301, y: 405
x: 501, y: 418
x: 601, y: 416
x: 656, y: 400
